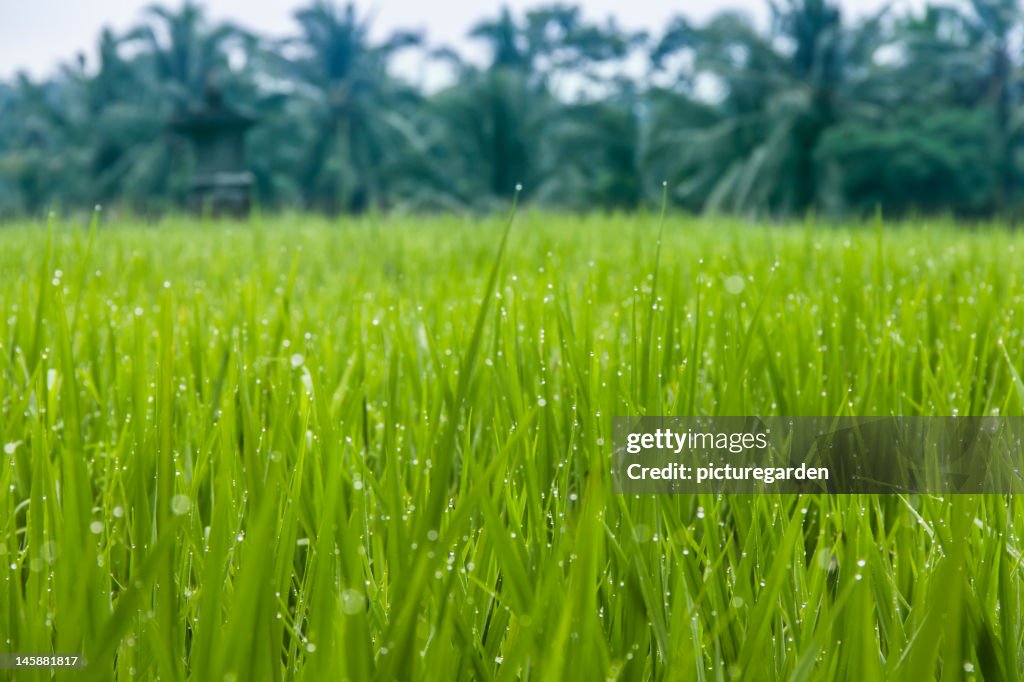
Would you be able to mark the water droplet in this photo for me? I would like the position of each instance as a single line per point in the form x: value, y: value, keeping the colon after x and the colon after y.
x: 180, y: 504
x: 352, y: 602
x: 734, y: 284
x: 48, y: 552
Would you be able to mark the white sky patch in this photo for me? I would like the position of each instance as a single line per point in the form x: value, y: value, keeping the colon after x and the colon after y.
x: 35, y: 36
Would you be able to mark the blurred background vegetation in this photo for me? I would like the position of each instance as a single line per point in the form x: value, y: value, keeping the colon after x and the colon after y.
x: 901, y: 112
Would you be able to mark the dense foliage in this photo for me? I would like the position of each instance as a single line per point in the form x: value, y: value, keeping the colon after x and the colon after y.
x: 898, y: 112
x: 336, y: 456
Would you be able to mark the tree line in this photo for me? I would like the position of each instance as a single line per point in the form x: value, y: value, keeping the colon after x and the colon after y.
x: 900, y: 113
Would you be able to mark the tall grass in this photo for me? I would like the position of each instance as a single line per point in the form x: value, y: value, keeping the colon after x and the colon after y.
x: 377, y: 450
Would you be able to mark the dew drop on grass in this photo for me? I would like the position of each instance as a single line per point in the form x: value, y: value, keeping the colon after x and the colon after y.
x: 310, y: 647
x: 9, y: 448
x: 297, y: 360
x: 734, y: 284
x: 96, y: 527
x: 352, y: 602
x: 180, y: 504
x: 48, y: 552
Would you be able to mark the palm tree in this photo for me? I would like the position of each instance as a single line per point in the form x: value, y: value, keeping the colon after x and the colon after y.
x: 184, y: 53
x: 43, y: 164
x: 179, y: 53
x: 508, y: 124
x: 964, y: 56
x: 116, y: 120
x: 493, y: 118
x: 354, y: 127
x: 599, y: 153
x: 778, y: 92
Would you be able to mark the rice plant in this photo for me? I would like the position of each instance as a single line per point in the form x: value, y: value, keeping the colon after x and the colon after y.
x: 381, y: 448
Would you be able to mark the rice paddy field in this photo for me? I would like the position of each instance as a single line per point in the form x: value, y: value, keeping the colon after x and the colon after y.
x: 380, y: 449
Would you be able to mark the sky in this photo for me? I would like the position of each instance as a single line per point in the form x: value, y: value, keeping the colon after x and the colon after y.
x: 35, y: 35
